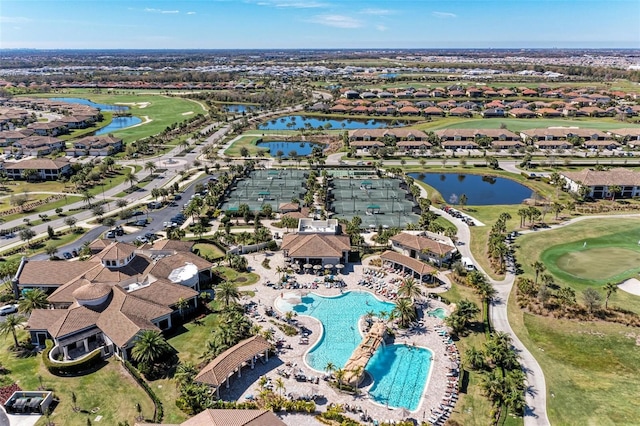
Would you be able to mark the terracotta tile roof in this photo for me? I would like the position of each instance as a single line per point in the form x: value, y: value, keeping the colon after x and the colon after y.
x: 38, y: 164
x: 116, y: 250
x: 421, y: 243
x: 173, y: 245
x: 618, y: 176
x: 366, y: 143
x: 163, y: 267
x: 164, y: 292
x: 218, y: 417
x: 75, y: 318
x: 51, y: 273
x: 41, y: 319
x: 216, y: 372
x: 411, y: 263
x: 632, y: 131
x: 64, y: 293
x: 315, y: 245
x: 99, y: 245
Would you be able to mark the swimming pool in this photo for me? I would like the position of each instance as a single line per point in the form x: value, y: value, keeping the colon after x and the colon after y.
x: 400, y: 371
x: 438, y: 313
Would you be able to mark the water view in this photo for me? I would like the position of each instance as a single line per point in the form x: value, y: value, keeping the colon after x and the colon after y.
x: 119, y: 123
x: 294, y: 122
x: 480, y: 190
x: 103, y: 107
x: 238, y: 108
x: 302, y: 149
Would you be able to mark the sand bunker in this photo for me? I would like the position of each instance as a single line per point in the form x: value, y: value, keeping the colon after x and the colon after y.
x: 187, y: 113
x: 138, y: 104
x: 631, y: 285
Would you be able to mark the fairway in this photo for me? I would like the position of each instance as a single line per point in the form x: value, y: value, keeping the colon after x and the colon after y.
x: 612, y: 257
x: 598, y: 263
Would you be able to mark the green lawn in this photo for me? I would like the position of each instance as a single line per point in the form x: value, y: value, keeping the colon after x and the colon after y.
x: 551, y: 247
x: 110, y: 389
x: 208, y: 251
x: 518, y: 124
x: 248, y: 142
x: 592, y: 369
x: 162, y: 111
x: 239, y: 278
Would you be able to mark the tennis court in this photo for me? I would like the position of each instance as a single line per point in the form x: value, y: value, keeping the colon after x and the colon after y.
x: 377, y: 201
x: 266, y: 187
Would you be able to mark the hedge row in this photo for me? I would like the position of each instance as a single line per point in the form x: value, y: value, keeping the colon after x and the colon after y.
x: 72, y: 367
x: 158, y: 414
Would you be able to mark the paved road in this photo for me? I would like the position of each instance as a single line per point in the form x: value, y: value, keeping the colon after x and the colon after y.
x: 536, y: 397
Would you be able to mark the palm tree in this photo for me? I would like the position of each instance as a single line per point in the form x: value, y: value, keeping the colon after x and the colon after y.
x: 330, y: 367
x: 280, y: 385
x: 610, y: 288
x: 87, y: 197
x: 150, y: 348
x: 9, y: 325
x: 182, y: 304
x: 462, y: 201
x: 33, y: 299
x: 339, y: 375
x: 538, y: 267
x: 185, y: 372
x: 486, y: 292
x: 410, y: 288
x: 151, y: 167
x: 405, y: 311
x: 614, y: 189
x: 475, y: 358
x: 131, y: 178
x: 227, y: 291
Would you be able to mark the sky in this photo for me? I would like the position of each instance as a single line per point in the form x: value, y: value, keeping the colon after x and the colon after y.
x: 318, y: 24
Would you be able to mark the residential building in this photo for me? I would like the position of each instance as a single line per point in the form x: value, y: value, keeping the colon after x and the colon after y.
x: 424, y: 246
x: 46, y: 169
x: 600, y: 182
x: 96, y: 145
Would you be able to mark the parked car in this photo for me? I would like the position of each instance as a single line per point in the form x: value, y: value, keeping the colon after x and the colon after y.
x: 177, y: 197
x: 154, y: 205
x: 110, y: 234
x: 137, y: 213
x: 141, y: 239
x: 169, y: 224
x: 8, y: 309
x: 67, y: 255
x: 150, y: 236
x: 140, y: 222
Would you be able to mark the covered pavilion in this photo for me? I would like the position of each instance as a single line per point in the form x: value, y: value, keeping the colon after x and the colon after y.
x: 420, y: 269
x: 220, y: 369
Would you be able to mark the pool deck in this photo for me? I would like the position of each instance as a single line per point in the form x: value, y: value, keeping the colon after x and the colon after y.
x: 430, y: 334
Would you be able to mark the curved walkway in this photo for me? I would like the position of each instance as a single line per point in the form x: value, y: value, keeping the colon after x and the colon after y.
x: 536, y: 396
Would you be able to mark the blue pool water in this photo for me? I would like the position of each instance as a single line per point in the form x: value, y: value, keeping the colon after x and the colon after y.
x: 302, y: 149
x: 399, y: 375
x: 294, y: 122
x: 438, y: 313
x: 399, y: 371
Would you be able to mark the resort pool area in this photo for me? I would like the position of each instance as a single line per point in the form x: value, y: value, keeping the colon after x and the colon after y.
x: 438, y: 313
x: 399, y: 375
x: 400, y: 372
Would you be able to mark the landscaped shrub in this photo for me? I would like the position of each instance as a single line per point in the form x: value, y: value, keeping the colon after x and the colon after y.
x: 73, y: 367
x: 159, y: 411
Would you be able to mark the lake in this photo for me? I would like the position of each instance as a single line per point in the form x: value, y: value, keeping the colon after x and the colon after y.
x: 302, y: 149
x: 294, y: 122
x: 238, y: 108
x: 480, y: 190
x: 103, y: 107
x: 117, y: 123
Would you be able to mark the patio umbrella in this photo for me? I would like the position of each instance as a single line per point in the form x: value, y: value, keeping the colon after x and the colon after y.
x: 339, y: 266
x: 307, y: 266
x: 295, y: 266
x: 317, y: 267
x: 328, y: 266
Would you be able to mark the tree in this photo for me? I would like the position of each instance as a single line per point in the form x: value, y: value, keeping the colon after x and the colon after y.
x: 475, y: 358
x: 150, y: 348
x: 27, y: 235
x: 9, y: 326
x: 330, y: 367
x: 462, y: 201
x: 228, y: 292
x: 610, y: 288
x: 51, y: 251
x: 182, y: 304
x: 405, y: 311
x: 614, y: 189
x: 151, y: 167
x: 410, y: 288
x: 538, y: 267
x: 131, y: 178
x: 592, y: 299
x: 33, y: 299
x: 87, y: 197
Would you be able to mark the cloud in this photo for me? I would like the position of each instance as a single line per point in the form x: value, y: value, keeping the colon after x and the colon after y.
x: 338, y: 21
x: 377, y: 12
x: 14, y: 20
x: 381, y: 28
x: 444, y: 15
x: 289, y: 4
x: 191, y: 13
x: 162, y: 11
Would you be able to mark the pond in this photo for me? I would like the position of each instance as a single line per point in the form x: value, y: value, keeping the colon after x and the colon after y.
x: 237, y: 108
x: 294, y: 122
x: 302, y: 149
x: 103, y: 107
x: 480, y: 190
x: 119, y: 123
